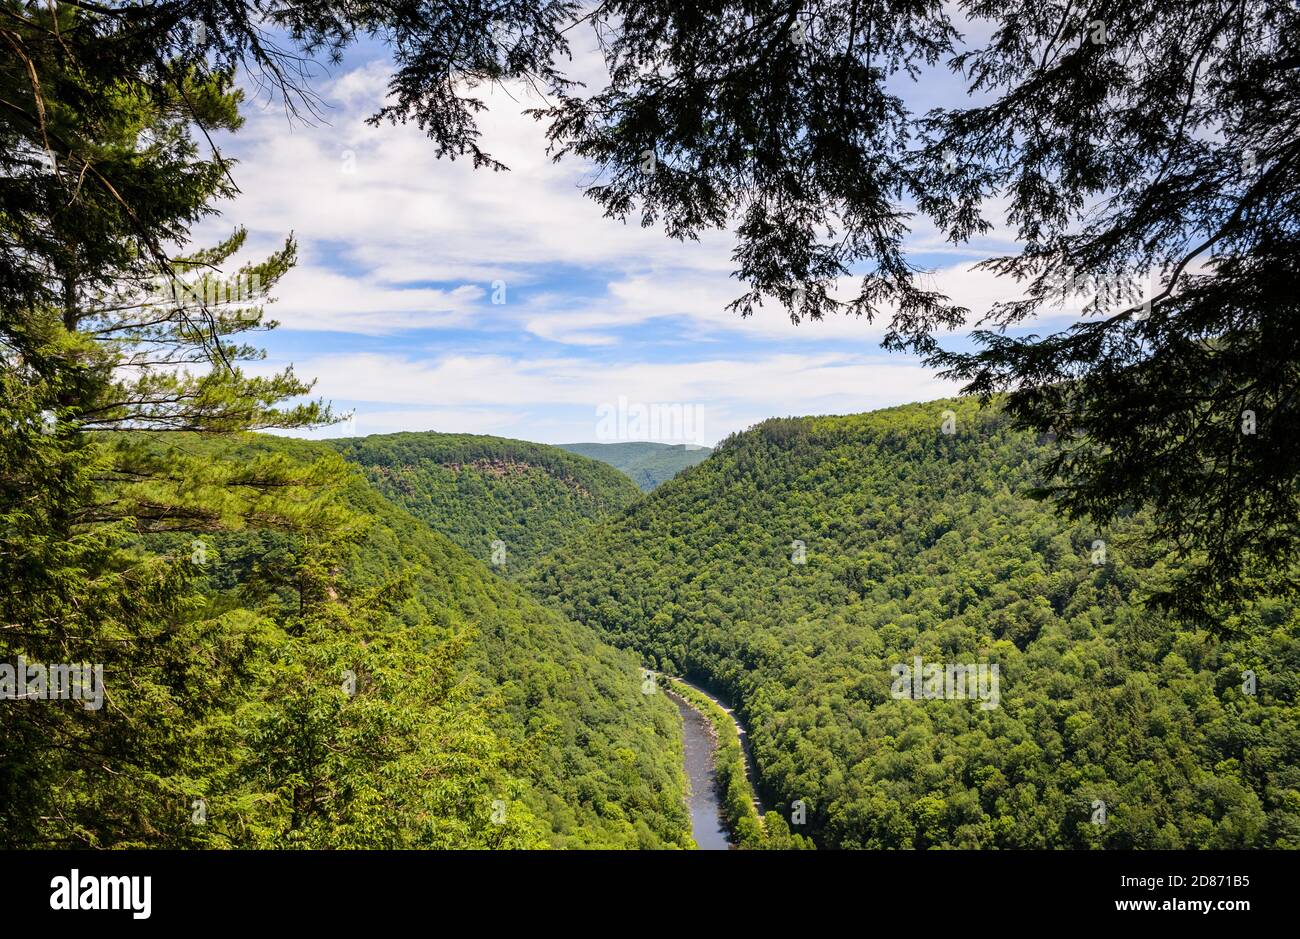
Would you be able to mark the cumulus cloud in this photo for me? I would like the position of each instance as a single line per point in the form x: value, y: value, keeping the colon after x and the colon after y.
x: 520, y: 396
x: 398, y: 216
x: 402, y: 215
x: 313, y: 297
x: 396, y: 244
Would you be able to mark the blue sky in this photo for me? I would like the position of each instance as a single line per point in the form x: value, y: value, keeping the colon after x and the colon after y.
x: 402, y: 255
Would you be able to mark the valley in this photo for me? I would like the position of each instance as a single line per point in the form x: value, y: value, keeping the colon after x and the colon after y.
x: 919, y: 542
x: 930, y: 383
x: 490, y: 605
x: 795, y: 571
x: 806, y: 560
x: 647, y: 464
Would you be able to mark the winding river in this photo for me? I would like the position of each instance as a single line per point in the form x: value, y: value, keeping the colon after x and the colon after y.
x: 698, y: 744
x: 705, y: 806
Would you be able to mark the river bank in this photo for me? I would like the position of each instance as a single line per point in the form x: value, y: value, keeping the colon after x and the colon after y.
x: 703, y: 800
x: 737, y: 799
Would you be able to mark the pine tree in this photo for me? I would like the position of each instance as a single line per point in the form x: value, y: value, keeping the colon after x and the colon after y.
x: 88, y: 351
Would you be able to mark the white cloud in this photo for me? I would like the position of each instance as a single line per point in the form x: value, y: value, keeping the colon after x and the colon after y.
x: 313, y: 297
x: 389, y: 209
x: 701, y: 297
x: 379, y: 219
x: 524, y: 396
x: 403, y: 215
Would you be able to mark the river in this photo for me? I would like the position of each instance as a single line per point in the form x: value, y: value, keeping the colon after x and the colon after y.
x: 705, y: 806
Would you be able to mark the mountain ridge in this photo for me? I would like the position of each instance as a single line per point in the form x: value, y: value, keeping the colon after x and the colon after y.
x: 808, y: 558
x: 646, y: 463
x: 505, y: 501
x: 590, y: 761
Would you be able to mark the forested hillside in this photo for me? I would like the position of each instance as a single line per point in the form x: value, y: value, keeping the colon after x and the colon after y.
x: 213, y: 636
x: 646, y: 464
x: 506, y: 502
x: 807, y: 557
x: 381, y: 688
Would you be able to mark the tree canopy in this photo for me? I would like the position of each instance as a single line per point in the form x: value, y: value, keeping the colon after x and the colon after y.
x: 1144, y: 155
x: 507, y: 502
x: 1142, y: 151
x: 285, y: 660
x: 808, y: 558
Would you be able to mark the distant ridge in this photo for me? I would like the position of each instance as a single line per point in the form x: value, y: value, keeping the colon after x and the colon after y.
x: 504, y: 501
x: 648, y: 464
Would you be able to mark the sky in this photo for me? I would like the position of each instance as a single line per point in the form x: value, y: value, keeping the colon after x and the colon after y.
x: 432, y: 296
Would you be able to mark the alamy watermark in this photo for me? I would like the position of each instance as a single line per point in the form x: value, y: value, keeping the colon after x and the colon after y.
x: 950, y: 681
x: 658, y: 421
x: 209, y: 292
x: 29, y: 681
x: 78, y: 891
x: 1103, y: 292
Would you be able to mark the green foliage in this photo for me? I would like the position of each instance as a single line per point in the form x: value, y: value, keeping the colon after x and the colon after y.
x: 647, y: 464
x: 224, y: 678
x: 288, y: 660
x: 924, y: 543
x: 565, y: 736
x: 1175, y: 230
x: 476, y: 718
x: 87, y: 346
x: 479, y: 490
x: 772, y: 118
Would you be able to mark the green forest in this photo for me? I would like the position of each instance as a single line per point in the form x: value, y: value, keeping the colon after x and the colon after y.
x: 490, y: 495
x: 332, y: 669
x: 807, y: 556
x: 351, y: 678
x: 1058, y: 611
